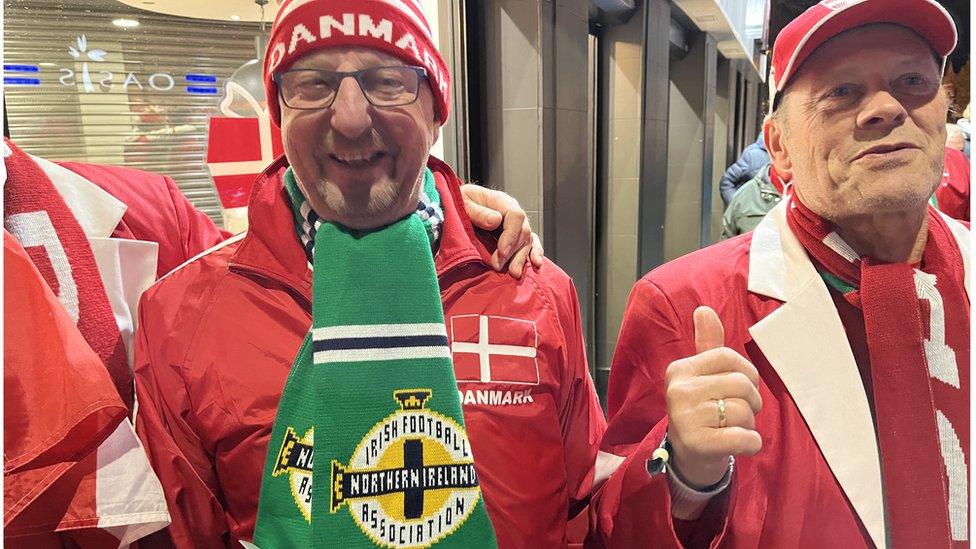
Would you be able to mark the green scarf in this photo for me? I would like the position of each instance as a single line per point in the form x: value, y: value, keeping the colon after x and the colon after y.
x: 373, y: 381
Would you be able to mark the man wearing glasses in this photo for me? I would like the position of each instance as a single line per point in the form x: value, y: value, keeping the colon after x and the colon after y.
x: 443, y: 400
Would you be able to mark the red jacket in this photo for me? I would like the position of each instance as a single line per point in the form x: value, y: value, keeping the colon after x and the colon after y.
x: 952, y: 194
x: 817, y: 480
x: 156, y: 211
x: 69, y: 496
x: 218, y: 337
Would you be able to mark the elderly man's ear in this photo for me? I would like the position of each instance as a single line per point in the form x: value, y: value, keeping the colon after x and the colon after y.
x: 436, y: 131
x: 773, y: 135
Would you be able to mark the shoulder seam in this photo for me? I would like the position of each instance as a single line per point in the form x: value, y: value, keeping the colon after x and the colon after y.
x: 231, y: 240
x: 667, y: 299
x: 550, y: 311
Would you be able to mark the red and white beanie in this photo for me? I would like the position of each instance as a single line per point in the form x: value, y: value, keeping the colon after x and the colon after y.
x: 829, y: 18
x: 397, y: 27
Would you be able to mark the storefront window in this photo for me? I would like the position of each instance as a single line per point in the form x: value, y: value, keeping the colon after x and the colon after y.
x: 97, y: 81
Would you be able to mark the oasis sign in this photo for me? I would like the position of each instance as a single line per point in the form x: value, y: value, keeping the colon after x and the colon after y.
x: 93, y: 79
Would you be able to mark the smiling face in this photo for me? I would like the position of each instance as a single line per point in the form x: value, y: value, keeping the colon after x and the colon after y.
x: 359, y: 165
x: 861, y: 127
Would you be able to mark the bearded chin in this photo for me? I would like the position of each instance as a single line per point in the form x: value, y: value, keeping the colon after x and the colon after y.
x: 377, y: 199
x: 376, y: 202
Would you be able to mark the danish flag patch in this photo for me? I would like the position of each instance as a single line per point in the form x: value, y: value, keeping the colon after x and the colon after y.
x: 494, y: 349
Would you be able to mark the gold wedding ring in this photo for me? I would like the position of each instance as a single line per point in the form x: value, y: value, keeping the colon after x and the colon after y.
x: 721, y: 413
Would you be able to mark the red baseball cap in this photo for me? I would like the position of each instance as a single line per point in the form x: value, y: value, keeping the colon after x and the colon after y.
x: 829, y: 18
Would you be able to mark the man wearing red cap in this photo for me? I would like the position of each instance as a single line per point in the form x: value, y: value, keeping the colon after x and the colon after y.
x: 361, y: 318
x: 807, y: 385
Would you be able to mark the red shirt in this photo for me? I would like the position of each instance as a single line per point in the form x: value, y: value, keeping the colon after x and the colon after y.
x: 156, y: 211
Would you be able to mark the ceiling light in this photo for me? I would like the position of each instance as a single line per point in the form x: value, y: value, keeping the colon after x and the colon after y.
x: 125, y: 23
x: 235, y: 17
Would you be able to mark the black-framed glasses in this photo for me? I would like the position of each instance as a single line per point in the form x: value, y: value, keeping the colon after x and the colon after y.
x: 317, y: 88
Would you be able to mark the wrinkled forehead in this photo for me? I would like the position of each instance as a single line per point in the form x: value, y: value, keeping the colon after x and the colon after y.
x: 347, y: 58
x: 867, y: 48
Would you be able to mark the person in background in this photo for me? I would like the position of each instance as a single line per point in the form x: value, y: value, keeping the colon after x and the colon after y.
x: 966, y: 126
x: 753, y: 201
x: 951, y: 197
x: 97, y: 236
x: 955, y: 137
x: 752, y: 159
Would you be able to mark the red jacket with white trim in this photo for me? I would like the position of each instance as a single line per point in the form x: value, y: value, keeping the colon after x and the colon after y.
x: 817, y: 480
x: 88, y: 483
x: 218, y: 336
x: 156, y: 211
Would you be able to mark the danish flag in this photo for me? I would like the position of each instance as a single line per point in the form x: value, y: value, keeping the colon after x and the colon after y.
x: 240, y: 146
x: 494, y: 349
x: 238, y: 150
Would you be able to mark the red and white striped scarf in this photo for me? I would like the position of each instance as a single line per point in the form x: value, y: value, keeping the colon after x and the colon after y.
x: 38, y: 217
x: 917, y: 324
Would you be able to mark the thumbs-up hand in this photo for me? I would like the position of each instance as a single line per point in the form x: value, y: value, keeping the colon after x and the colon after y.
x: 712, y: 400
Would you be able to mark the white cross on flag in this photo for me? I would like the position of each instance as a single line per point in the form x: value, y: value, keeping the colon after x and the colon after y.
x: 494, y: 349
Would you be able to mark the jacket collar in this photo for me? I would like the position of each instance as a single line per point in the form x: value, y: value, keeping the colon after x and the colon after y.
x: 961, y: 232
x: 97, y: 211
x: 779, y: 266
x: 271, y: 248
x: 805, y: 342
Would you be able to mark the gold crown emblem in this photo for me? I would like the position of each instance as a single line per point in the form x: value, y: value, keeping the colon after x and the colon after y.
x: 412, y: 399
